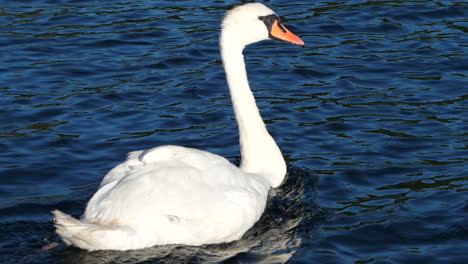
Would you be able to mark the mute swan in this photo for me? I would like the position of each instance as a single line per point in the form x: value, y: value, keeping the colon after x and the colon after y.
x: 178, y: 195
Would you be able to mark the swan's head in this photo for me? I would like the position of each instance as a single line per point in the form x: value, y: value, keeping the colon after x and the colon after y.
x: 254, y: 22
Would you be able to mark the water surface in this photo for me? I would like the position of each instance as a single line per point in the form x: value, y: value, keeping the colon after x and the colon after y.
x: 370, y: 115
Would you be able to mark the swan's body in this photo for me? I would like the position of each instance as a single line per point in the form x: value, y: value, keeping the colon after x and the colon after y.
x: 177, y: 195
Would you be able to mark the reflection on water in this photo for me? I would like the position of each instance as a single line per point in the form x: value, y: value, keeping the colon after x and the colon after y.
x: 370, y: 117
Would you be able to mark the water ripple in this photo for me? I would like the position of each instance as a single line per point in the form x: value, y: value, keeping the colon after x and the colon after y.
x: 370, y: 116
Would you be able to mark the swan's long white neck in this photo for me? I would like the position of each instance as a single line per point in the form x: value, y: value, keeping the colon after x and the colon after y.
x: 260, y: 154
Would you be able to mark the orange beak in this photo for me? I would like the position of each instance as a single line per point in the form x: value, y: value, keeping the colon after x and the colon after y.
x: 280, y: 32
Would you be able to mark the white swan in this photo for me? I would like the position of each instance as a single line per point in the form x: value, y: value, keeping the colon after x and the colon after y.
x: 178, y: 195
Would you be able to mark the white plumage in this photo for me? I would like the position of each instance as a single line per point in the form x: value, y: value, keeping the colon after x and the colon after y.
x: 178, y: 195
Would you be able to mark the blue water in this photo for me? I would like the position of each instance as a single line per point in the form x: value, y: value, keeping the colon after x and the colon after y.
x: 371, y: 116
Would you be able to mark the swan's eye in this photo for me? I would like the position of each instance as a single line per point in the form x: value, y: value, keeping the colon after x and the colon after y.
x: 261, y: 18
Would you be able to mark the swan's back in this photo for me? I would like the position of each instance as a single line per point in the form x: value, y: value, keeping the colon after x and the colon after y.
x: 165, y: 156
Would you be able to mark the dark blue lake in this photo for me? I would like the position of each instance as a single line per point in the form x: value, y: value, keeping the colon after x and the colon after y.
x: 371, y: 117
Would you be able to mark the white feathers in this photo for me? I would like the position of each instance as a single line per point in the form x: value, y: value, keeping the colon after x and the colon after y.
x: 177, y: 195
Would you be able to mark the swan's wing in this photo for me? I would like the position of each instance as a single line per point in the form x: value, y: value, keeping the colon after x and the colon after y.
x: 175, y: 182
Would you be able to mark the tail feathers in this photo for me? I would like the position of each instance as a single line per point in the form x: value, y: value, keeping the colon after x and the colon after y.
x: 91, y: 236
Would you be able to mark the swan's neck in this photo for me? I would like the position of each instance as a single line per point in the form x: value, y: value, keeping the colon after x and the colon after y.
x: 260, y: 154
